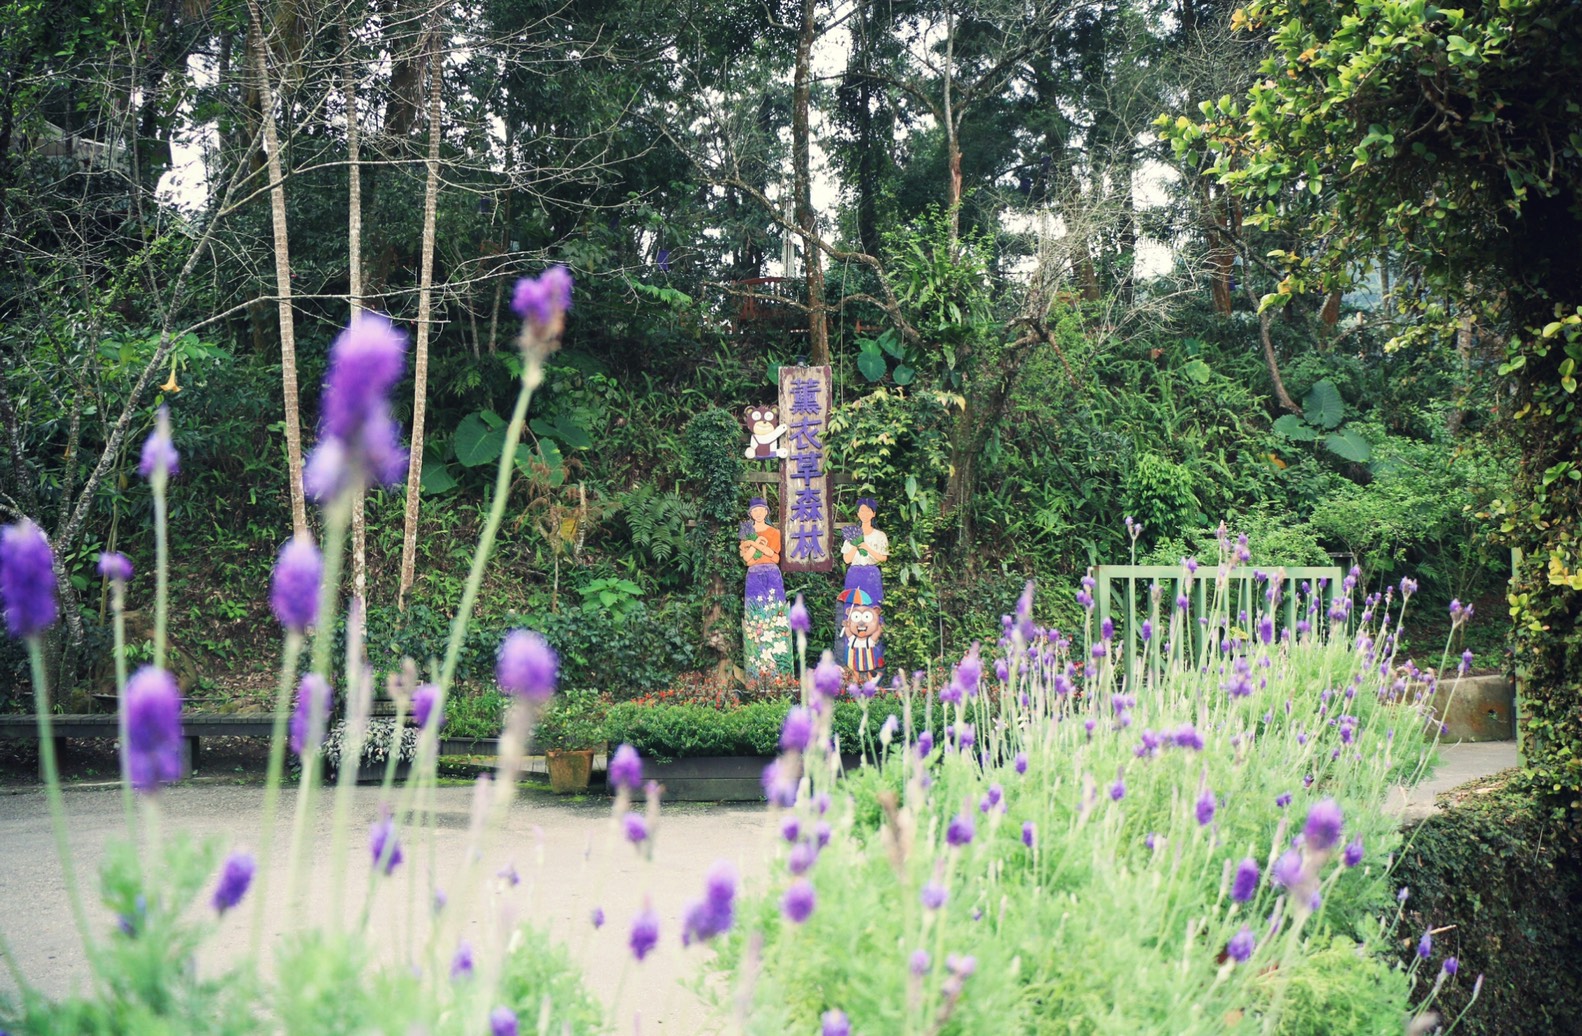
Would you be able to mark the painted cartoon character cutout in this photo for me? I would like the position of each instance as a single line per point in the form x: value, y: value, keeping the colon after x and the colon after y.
x: 861, y: 646
x: 763, y: 424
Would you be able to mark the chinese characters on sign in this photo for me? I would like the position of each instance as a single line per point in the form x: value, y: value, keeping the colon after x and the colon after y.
x: 804, y: 483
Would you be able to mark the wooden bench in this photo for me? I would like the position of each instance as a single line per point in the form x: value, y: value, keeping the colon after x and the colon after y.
x: 193, y: 727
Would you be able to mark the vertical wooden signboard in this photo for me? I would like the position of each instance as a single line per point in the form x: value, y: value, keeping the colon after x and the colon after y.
x: 804, y: 480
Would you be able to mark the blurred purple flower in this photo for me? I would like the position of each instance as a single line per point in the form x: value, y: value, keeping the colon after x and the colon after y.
x: 797, y: 730
x: 383, y: 846
x: 1353, y: 854
x: 502, y: 1022
x: 1118, y: 790
x: 635, y: 828
x: 925, y: 744
x: 645, y: 933
x: 626, y: 769
x: 826, y: 677
x: 798, y: 901
x: 1245, y: 886
x: 918, y: 963
x: 802, y: 857
x: 834, y: 1023
x: 970, y: 671
x: 1205, y: 807
x: 1323, y: 827
x: 933, y: 895
x: 235, y: 877
x: 115, y: 567
x: 597, y: 917
x: 1029, y: 833
x: 1425, y: 945
x: 960, y: 831
x: 153, y: 729
x: 527, y: 666
x: 1450, y: 966
x: 1287, y: 870
x: 159, y: 451
x: 1021, y: 762
x: 779, y: 785
x: 543, y: 300
x: 27, y: 580
x: 425, y: 700
x: 461, y: 963
x: 801, y: 622
x: 716, y: 912
x: 312, y: 710
x: 1241, y: 945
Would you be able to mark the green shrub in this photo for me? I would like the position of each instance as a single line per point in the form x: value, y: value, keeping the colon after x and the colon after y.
x: 1508, y: 878
x: 665, y: 732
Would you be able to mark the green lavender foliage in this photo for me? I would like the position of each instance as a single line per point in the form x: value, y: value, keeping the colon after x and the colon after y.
x: 1092, y: 930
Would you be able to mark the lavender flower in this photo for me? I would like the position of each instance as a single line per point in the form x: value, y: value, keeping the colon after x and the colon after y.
x: 425, y: 706
x: 153, y: 729
x: 1266, y: 630
x: 597, y: 917
x: 543, y: 301
x: 115, y: 567
x: 366, y: 361
x: 1205, y: 807
x: 159, y: 452
x: 1425, y: 945
x: 502, y: 1022
x: 780, y: 785
x: 294, y: 586
x: 235, y: 877
x: 645, y: 933
x: 635, y: 828
x: 835, y: 1023
x: 925, y: 744
x: 626, y: 768
x: 384, y: 847
x: 1353, y: 854
x: 960, y: 831
x: 1118, y: 790
x: 826, y: 677
x: 1283, y: 799
x: 1466, y: 663
x: 1287, y: 870
x: 918, y: 963
x: 1323, y: 826
x: 1450, y: 966
x: 1021, y: 762
x: 1029, y: 833
x: 461, y: 963
x: 312, y: 709
x: 1107, y: 628
x: 527, y: 666
x: 800, y: 621
x: 714, y: 914
x: 933, y: 895
x: 1186, y: 736
x: 802, y: 857
x: 970, y: 671
x: 797, y: 730
x: 1245, y: 885
x: 1147, y: 631
x: 1024, y: 612
x: 798, y: 902
x: 1241, y: 945
x: 27, y: 580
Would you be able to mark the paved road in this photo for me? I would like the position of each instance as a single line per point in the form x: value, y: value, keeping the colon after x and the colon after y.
x: 1458, y: 764
x: 568, y: 855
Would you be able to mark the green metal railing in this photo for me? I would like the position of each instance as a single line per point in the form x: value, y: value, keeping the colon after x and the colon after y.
x: 1129, y: 605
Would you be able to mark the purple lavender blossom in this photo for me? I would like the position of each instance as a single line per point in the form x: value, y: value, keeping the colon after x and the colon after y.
x: 1450, y: 966
x: 115, y: 566
x: 597, y: 917
x: 635, y: 828
x: 1266, y: 630
x: 527, y: 666
x: 1021, y: 762
x: 834, y: 1023
x: 1205, y: 807
x: 801, y: 622
x: 425, y: 706
x: 235, y: 877
x: 294, y: 586
x: 960, y: 831
x: 1241, y: 945
x: 779, y: 784
x: 1466, y: 663
x: 1353, y: 854
x: 645, y: 933
x: 965, y: 736
x: 153, y: 729
x: 308, y: 717
x: 461, y: 964
x: 1186, y: 736
x: 798, y: 902
x: 797, y: 730
x: 1283, y: 799
x: 1425, y: 945
x: 716, y: 912
x: 970, y: 671
x: 159, y: 452
x: 1118, y: 790
x: 366, y: 361
x: 544, y: 300
x: 384, y: 847
x: 826, y: 677
x: 925, y: 744
x: 801, y: 858
x: 502, y: 1022
x: 1287, y: 870
x: 1146, y: 631
x: 1323, y: 827
x: 27, y: 580
x: 1029, y: 833
x: 626, y: 769
x: 918, y: 963
x: 1245, y: 885
x: 933, y: 895
x: 1107, y: 628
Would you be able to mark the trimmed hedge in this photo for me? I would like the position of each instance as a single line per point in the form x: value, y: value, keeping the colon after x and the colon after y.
x: 689, y: 731
x: 1508, y: 876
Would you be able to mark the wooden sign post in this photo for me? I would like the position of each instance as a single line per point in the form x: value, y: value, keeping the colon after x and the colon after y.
x: 805, y: 514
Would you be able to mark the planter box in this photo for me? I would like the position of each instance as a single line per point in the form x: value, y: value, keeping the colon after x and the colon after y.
x: 718, y: 778
x: 469, y: 746
x: 369, y: 773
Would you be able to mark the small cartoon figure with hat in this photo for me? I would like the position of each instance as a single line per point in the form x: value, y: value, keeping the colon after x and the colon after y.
x: 862, y: 652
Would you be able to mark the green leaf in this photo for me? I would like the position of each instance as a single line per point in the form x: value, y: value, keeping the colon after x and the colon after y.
x: 903, y: 374
x: 437, y: 478
x: 1323, y: 407
x: 1350, y: 445
x: 571, y: 433
x: 476, y: 444
x: 871, y: 364
x: 1291, y: 426
x: 1196, y: 370
x: 891, y: 343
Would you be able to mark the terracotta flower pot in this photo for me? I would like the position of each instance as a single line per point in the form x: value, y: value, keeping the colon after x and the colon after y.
x: 569, y: 769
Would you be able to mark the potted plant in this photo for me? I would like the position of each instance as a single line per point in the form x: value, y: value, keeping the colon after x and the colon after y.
x: 569, y: 730
x: 381, y: 741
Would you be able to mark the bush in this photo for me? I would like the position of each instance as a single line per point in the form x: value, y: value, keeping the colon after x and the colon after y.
x: 689, y: 730
x: 1500, y: 870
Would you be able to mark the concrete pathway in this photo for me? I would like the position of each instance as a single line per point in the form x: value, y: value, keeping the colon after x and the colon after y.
x: 570, y: 859
x: 1458, y: 764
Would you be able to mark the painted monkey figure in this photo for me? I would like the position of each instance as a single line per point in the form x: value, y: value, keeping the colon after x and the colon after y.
x: 763, y: 422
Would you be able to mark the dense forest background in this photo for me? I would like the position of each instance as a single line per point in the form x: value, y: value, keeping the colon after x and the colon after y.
x: 1041, y: 320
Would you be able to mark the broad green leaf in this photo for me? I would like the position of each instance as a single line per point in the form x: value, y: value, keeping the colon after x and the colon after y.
x: 492, y: 419
x: 871, y: 364
x: 1350, y: 445
x: 1323, y: 407
x: 476, y: 444
x: 436, y: 478
x: 891, y: 343
x: 1291, y: 426
x: 1196, y: 370
x: 571, y: 433
x: 903, y: 374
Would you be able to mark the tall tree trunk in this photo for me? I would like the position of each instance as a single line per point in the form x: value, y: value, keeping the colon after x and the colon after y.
x: 288, y: 338
x: 414, y: 476
x: 952, y: 141
x: 354, y: 283
x: 812, y: 260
